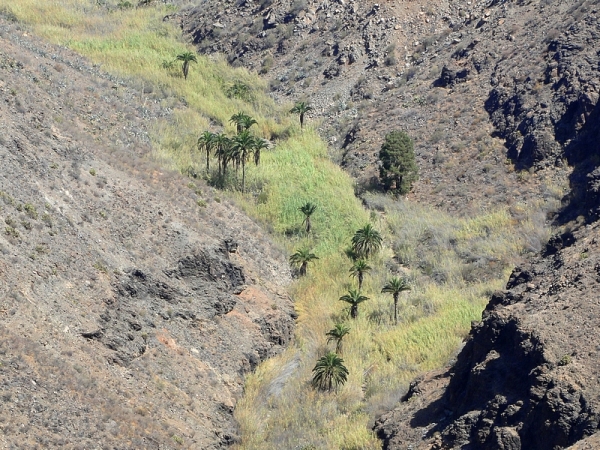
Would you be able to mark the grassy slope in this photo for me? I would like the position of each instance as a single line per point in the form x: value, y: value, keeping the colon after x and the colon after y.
x: 279, y: 409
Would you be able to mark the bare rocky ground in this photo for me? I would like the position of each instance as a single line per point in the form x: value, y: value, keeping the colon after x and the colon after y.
x: 129, y: 312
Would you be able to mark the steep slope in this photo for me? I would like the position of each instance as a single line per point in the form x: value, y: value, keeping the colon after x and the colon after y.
x: 132, y: 303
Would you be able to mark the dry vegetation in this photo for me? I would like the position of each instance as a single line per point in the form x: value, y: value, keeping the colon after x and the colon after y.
x: 452, y: 263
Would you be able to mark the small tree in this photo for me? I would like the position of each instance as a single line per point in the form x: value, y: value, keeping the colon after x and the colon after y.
x: 398, y: 169
x: 301, y: 108
x: 259, y: 144
x: 353, y: 298
x: 337, y: 334
x: 301, y: 259
x: 243, y: 146
x: 395, y: 286
x: 366, y: 241
x: 358, y: 271
x: 308, y: 210
x: 329, y: 372
x: 186, y: 58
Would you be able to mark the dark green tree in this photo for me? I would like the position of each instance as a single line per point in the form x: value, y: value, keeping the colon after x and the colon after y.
x: 223, y: 152
x: 337, y: 334
x: 301, y: 108
x: 301, y: 259
x: 395, y: 286
x: 186, y: 58
x: 353, y: 298
x: 308, y: 210
x: 358, y: 271
x: 329, y: 372
x: 398, y: 169
x: 366, y: 241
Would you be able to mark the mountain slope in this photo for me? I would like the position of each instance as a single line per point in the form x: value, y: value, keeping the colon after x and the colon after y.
x: 132, y: 303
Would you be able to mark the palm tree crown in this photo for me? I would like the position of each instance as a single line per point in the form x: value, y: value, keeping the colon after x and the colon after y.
x: 242, y: 121
x: 301, y: 108
x: 337, y: 334
x: 186, y: 58
x: 354, y: 298
x: 358, y: 270
x: 307, y: 209
x: 395, y: 286
x: 329, y: 372
x: 366, y: 241
x: 301, y: 259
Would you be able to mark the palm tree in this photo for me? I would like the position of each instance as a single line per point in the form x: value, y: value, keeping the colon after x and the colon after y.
x: 354, y: 298
x: 366, y: 241
x: 237, y: 119
x: 301, y: 108
x: 243, y: 146
x: 206, y: 141
x: 329, y: 372
x: 222, y: 150
x: 358, y: 270
x: 308, y: 209
x: 301, y: 259
x: 395, y: 286
x: 259, y: 144
x: 247, y: 122
x: 337, y: 334
x: 186, y: 58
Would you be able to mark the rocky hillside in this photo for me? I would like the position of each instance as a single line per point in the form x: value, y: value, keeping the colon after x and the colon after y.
x: 501, y: 98
x: 132, y: 301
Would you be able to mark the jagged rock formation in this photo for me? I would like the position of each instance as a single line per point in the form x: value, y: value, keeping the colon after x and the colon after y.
x: 527, y: 376
x: 129, y: 312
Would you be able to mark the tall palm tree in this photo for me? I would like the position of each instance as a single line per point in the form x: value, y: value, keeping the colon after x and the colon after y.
x: 395, y: 286
x: 222, y: 150
x: 206, y: 141
x: 358, y: 271
x: 243, y: 146
x: 186, y: 58
x: 366, y: 241
x: 329, y: 372
x: 259, y: 144
x: 336, y: 334
x: 353, y: 298
x: 301, y: 108
x: 301, y: 259
x: 308, y: 210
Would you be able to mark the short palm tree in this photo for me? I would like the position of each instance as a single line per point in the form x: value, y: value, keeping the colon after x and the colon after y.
x: 358, y: 271
x: 186, y: 58
x: 206, y: 141
x: 395, y: 286
x: 329, y: 372
x: 259, y: 144
x: 237, y: 119
x: 353, y: 298
x: 366, y: 241
x: 308, y: 210
x: 247, y: 122
x: 223, y: 151
x: 301, y: 258
x: 301, y: 108
x: 337, y: 334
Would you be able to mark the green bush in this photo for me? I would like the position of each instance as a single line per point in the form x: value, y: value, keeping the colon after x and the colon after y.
x: 399, y: 168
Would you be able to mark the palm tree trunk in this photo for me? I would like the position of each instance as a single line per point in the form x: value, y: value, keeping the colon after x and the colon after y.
x: 243, y: 176
x: 303, y: 269
x: 396, y: 309
x: 354, y: 311
x: 186, y: 66
x: 360, y: 280
x: 207, y: 163
x: 301, y: 121
x: 308, y: 225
